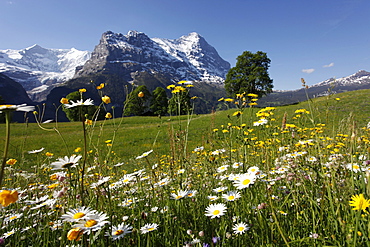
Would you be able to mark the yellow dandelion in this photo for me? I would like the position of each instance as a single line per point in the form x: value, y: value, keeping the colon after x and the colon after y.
x: 82, y: 90
x: 359, y: 202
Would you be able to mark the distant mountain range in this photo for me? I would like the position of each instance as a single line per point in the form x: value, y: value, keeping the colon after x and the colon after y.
x: 356, y: 81
x: 122, y: 61
x: 39, y: 69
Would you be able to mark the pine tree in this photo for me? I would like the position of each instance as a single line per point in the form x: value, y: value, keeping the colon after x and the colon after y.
x: 159, y: 103
x: 138, y: 102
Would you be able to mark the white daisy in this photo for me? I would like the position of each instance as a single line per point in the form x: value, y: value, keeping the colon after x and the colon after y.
x: 22, y: 107
x: 66, y: 162
x: 180, y: 194
x: 222, y: 168
x: 93, y: 223
x: 244, y: 181
x: 212, y: 198
x: 144, y: 154
x: 148, y: 228
x: 253, y: 170
x: 237, y: 164
x: 354, y: 167
x: 240, y: 228
x: 260, y: 122
x: 74, y: 215
x: 36, y: 151
x: 219, y: 189
x: 215, y: 210
x: 119, y: 231
x: 80, y: 102
x: 191, y: 193
x: 231, y: 196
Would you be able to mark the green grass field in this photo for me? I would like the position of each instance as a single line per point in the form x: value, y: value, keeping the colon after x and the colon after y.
x: 288, y: 176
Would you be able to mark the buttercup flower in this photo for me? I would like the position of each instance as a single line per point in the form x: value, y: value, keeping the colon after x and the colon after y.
x: 106, y: 99
x: 74, y: 234
x: 7, y: 197
x: 140, y: 95
x: 11, y: 162
x: 64, y: 101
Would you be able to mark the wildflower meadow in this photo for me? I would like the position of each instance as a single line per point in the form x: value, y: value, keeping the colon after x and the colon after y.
x: 264, y: 177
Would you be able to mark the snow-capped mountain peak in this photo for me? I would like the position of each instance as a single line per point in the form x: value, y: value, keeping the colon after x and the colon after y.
x: 360, y: 77
x: 37, y: 68
x: 189, y: 57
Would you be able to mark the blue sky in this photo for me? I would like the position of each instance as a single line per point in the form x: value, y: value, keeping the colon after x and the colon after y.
x: 315, y: 39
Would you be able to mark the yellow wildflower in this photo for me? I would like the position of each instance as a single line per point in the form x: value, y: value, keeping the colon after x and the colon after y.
x: 7, y: 197
x: 11, y: 162
x: 359, y: 202
x: 106, y: 99
x: 64, y: 101
x: 140, y: 95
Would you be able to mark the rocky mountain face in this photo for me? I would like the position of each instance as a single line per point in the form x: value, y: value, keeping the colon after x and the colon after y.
x: 188, y: 58
x: 39, y: 69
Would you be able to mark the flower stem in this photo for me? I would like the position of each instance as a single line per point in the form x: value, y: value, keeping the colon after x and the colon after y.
x: 84, y: 161
x: 6, y: 147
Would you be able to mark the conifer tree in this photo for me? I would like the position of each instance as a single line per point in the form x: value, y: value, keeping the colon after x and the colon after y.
x: 138, y: 102
x: 159, y: 103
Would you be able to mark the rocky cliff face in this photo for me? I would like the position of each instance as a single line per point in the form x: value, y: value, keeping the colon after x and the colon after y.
x: 188, y: 58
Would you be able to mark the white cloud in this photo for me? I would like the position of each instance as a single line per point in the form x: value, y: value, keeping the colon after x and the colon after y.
x: 308, y: 71
x: 328, y: 65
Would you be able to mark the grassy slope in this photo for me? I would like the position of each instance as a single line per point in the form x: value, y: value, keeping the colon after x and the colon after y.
x: 136, y: 135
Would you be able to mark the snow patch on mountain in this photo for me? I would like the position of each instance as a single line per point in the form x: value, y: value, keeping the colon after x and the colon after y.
x: 37, y: 68
x: 360, y: 77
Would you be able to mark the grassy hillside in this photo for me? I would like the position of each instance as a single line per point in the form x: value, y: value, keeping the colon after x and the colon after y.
x: 132, y: 136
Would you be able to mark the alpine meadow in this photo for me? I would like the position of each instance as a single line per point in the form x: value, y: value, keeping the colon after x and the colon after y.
x: 293, y: 175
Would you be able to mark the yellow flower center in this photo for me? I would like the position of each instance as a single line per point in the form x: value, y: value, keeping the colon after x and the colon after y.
x: 118, y: 232
x: 240, y: 228
x: 151, y: 229
x: 78, y: 215
x: 231, y: 197
x: 216, y: 212
x: 246, y: 181
x: 90, y: 223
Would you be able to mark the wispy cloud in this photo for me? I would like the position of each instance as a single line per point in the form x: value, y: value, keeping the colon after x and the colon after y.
x: 328, y: 65
x: 308, y: 71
